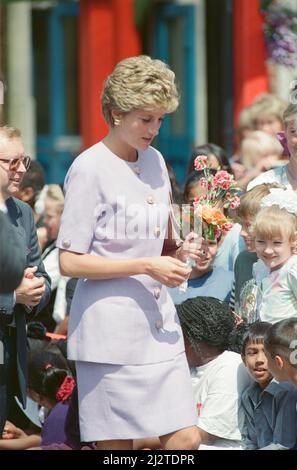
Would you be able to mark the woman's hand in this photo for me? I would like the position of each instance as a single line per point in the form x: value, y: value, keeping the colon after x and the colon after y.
x: 169, y: 271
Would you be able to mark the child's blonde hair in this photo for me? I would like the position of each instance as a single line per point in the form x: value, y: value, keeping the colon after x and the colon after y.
x: 257, y: 144
x: 250, y: 202
x: 273, y: 222
x: 55, y: 193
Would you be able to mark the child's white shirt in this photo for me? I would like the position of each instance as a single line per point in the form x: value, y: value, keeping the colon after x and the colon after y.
x: 277, y: 291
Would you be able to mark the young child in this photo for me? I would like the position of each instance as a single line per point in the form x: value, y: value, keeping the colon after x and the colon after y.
x: 280, y: 344
x: 229, y: 243
x: 275, y: 232
x: 269, y: 406
x: 55, y: 310
x: 244, y: 291
x: 218, y: 375
x: 50, y: 384
x: 205, y: 279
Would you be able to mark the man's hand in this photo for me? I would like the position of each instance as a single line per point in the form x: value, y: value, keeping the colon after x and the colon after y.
x: 31, y: 289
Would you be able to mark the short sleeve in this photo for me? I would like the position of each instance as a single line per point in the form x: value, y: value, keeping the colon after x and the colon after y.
x: 292, y: 279
x: 82, y: 207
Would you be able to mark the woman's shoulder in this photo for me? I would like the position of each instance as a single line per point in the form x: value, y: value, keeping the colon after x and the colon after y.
x: 91, y: 164
x: 87, y: 158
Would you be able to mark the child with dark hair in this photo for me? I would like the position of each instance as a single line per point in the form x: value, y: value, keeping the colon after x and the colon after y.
x: 218, y: 376
x: 194, y: 187
x: 229, y: 243
x: 269, y: 406
x: 280, y: 343
x: 50, y: 384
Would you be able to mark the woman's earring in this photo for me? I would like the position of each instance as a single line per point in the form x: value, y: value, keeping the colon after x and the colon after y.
x: 117, y: 121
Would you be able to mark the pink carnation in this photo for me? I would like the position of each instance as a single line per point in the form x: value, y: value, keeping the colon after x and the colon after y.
x: 222, y: 179
x: 200, y: 162
x: 235, y: 203
x: 202, y: 182
x: 226, y: 226
x: 217, y: 232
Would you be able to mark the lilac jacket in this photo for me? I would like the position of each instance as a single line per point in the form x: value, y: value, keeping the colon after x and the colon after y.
x: 118, y: 209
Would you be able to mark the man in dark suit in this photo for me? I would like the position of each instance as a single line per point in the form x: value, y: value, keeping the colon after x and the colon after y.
x: 33, y: 292
x: 12, y: 257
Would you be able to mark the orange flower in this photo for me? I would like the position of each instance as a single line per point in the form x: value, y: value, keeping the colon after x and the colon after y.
x: 211, y: 214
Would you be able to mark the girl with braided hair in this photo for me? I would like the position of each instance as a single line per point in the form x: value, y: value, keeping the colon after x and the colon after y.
x: 218, y: 377
x: 218, y: 374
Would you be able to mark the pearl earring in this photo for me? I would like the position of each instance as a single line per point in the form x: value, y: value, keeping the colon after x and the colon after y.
x: 117, y: 121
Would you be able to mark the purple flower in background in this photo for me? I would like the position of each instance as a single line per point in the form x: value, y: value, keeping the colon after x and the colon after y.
x: 280, y: 31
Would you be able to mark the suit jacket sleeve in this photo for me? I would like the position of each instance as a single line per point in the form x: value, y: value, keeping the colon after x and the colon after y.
x: 12, y: 257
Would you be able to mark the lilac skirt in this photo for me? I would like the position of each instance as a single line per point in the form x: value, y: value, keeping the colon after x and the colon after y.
x: 130, y: 402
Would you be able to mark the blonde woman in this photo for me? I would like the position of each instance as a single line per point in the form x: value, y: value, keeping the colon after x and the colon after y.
x: 259, y: 152
x: 287, y: 174
x: 124, y: 334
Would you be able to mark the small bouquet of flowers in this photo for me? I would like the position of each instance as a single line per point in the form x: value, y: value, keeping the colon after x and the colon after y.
x: 221, y: 193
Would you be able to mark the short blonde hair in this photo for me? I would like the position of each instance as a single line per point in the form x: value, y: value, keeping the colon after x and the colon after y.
x: 250, y: 202
x: 259, y: 142
x: 246, y: 119
x: 273, y: 221
x: 55, y: 193
x: 139, y: 83
x: 9, y: 132
x: 290, y: 113
x: 268, y: 103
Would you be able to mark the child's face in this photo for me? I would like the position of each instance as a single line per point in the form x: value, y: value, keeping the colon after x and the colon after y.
x: 274, y: 367
x: 197, y: 190
x: 52, y: 218
x: 249, y: 240
x: 269, y: 123
x: 256, y: 363
x: 276, y: 252
x: 213, y: 162
x: 204, y: 262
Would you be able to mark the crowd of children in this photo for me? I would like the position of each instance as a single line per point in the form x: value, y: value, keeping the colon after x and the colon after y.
x: 238, y: 313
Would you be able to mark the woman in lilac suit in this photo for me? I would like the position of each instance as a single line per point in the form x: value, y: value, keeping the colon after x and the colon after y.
x: 124, y: 333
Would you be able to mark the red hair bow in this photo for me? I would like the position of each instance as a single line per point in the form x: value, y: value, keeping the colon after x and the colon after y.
x: 66, y: 389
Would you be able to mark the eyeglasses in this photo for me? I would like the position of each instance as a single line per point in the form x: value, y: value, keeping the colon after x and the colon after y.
x: 15, y: 163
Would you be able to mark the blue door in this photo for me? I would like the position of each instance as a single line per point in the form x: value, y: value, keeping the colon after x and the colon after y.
x: 175, y: 44
x: 55, y: 42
